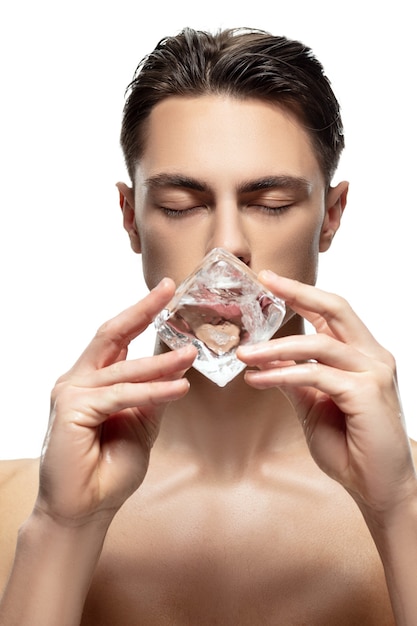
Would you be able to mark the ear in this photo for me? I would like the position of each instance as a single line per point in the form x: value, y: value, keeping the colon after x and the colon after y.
x: 335, y: 205
x: 127, y: 204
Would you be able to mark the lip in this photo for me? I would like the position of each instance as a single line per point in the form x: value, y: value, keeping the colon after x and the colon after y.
x: 225, y: 311
x: 218, y: 307
x: 212, y: 314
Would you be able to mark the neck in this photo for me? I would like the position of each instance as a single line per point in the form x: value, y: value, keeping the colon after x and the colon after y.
x: 230, y: 429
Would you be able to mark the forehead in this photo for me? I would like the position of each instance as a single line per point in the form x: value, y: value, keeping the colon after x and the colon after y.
x: 220, y: 138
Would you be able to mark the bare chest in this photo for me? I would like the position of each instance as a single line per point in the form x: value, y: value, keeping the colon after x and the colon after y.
x: 240, y: 556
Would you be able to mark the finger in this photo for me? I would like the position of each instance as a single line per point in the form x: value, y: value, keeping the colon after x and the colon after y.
x: 329, y: 313
x: 337, y: 384
x: 328, y: 380
x: 113, y: 337
x: 323, y: 310
x: 310, y: 374
x: 300, y: 348
x: 96, y: 405
x: 161, y: 366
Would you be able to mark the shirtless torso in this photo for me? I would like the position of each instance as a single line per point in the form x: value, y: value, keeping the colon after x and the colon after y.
x: 243, y: 516
x: 282, y: 544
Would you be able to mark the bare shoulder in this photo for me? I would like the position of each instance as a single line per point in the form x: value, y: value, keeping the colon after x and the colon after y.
x: 18, y: 489
x: 413, y: 445
x: 18, y: 474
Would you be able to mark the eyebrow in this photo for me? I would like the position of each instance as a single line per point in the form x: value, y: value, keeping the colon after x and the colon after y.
x: 175, y: 180
x: 283, y: 181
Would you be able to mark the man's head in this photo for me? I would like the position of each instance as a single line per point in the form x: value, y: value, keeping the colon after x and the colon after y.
x: 231, y: 141
x: 243, y: 64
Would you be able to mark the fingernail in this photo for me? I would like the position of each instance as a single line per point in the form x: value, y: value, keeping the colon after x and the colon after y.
x: 267, y: 274
x: 188, y: 348
x: 160, y: 284
x: 247, y: 350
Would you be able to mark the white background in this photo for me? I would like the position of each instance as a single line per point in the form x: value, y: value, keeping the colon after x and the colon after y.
x: 66, y: 265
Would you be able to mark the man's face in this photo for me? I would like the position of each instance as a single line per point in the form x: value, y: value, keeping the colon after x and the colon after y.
x: 236, y: 174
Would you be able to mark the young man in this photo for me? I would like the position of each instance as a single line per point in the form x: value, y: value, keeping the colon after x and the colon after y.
x: 287, y: 497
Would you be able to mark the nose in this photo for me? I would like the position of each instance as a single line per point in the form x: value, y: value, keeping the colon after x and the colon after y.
x: 228, y: 232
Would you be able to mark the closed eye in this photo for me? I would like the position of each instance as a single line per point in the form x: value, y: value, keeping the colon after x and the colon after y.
x: 272, y: 210
x: 170, y: 212
x: 184, y: 212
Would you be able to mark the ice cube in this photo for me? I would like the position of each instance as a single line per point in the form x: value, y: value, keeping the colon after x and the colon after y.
x: 220, y: 306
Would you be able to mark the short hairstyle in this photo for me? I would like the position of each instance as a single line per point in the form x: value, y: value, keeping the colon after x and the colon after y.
x: 242, y: 63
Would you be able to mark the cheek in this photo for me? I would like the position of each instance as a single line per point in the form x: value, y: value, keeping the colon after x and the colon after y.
x: 289, y: 247
x: 303, y: 258
x: 157, y: 261
x: 164, y: 253
x: 293, y: 250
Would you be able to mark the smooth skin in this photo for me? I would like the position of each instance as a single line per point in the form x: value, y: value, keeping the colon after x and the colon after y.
x: 163, y: 499
x: 343, y: 386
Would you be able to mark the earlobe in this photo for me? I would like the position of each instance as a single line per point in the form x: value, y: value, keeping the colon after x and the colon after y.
x: 335, y: 205
x: 127, y: 204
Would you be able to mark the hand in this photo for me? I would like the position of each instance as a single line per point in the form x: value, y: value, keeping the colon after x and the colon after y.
x: 105, y: 416
x: 343, y: 386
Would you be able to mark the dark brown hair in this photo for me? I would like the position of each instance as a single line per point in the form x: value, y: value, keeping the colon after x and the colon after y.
x: 243, y: 63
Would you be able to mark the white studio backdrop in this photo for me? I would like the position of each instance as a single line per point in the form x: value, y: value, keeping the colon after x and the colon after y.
x: 66, y: 265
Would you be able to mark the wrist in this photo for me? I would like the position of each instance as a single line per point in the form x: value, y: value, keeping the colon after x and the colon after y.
x: 52, y: 571
x: 395, y: 535
x: 72, y: 547
x: 394, y: 515
x: 41, y: 526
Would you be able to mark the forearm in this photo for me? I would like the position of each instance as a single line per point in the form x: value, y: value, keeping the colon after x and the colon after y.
x: 396, y: 540
x: 51, y: 574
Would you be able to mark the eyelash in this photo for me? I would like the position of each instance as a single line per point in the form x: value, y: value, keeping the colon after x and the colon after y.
x: 177, y: 213
x: 273, y: 210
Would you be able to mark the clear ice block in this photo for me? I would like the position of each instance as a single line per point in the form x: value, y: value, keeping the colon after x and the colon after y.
x: 219, y: 307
